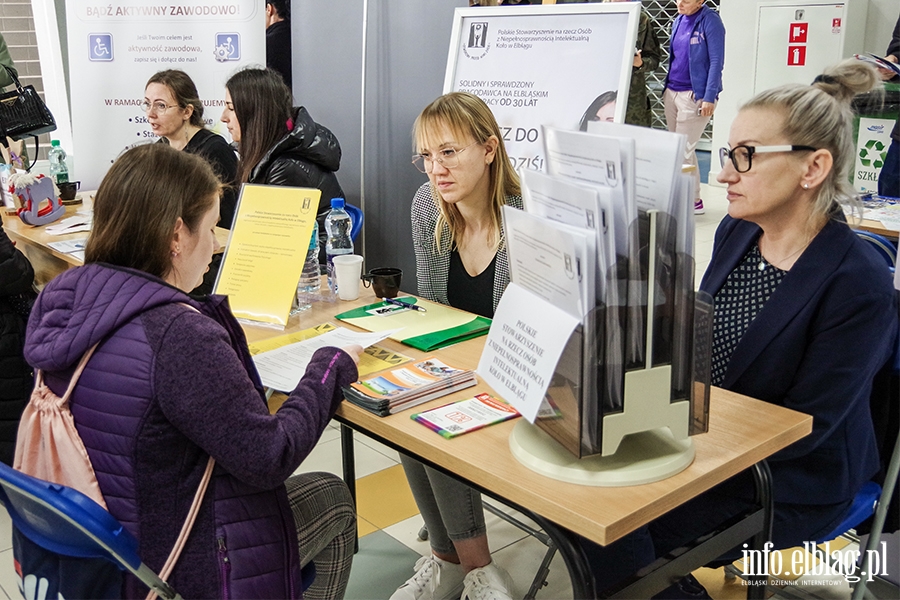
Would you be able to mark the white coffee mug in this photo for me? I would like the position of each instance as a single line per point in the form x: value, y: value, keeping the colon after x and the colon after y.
x: 347, y: 271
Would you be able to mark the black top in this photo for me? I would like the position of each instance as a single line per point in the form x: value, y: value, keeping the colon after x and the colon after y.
x: 744, y: 294
x: 222, y: 158
x: 278, y: 50
x: 472, y: 294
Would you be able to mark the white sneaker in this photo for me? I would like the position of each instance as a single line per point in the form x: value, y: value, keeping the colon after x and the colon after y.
x: 487, y: 583
x: 435, y: 579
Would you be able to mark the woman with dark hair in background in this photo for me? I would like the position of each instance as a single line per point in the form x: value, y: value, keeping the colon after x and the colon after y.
x: 279, y: 144
x: 175, y: 113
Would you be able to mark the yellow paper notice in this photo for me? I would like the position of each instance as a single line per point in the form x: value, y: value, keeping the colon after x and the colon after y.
x: 266, y: 251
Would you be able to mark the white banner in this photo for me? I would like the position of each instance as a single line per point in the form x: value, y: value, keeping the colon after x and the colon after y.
x: 115, y: 47
x: 871, y: 147
x: 544, y: 65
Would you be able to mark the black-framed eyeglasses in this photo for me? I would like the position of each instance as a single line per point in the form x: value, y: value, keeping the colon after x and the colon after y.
x: 447, y: 157
x: 742, y: 156
x: 158, y: 108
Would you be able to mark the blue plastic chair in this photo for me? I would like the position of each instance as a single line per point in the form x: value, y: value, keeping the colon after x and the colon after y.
x: 882, y: 245
x: 66, y: 522
x: 356, y: 218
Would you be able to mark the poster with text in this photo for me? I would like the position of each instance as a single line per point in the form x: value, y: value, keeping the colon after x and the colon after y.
x: 114, y: 48
x: 872, y: 145
x: 560, y: 65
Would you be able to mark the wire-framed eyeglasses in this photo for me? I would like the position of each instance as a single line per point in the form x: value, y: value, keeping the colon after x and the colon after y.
x: 742, y: 156
x: 158, y: 108
x: 447, y: 157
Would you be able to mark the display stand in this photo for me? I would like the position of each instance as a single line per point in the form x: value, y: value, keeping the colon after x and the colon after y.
x: 641, y: 458
x: 644, y: 438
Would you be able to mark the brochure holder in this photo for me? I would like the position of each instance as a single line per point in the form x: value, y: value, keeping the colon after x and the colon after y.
x: 603, y: 424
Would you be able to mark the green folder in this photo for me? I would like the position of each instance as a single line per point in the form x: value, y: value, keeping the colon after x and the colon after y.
x: 430, y: 330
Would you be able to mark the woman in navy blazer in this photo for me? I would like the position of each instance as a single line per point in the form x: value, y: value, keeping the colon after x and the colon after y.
x: 805, y: 316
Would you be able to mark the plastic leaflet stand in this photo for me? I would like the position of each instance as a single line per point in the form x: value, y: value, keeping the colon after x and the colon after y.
x: 610, y: 421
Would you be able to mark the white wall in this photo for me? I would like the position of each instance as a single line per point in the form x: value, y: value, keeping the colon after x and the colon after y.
x: 740, y: 38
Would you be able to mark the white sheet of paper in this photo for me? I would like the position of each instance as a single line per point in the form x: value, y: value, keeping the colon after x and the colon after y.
x: 594, y: 160
x: 549, y: 260
x: 281, y: 369
x: 527, y: 337
x: 73, y: 224
x: 69, y: 246
x: 565, y: 201
x: 657, y: 161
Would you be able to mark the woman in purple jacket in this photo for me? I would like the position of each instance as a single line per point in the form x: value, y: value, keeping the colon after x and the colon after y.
x: 171, y: 383
x: 696, y: 58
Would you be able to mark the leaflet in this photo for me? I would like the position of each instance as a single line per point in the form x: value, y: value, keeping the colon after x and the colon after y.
x: 69, y: 246
x: 567, y: 202
x: 467, y: 415
x: 596, y: 160
x: 657, y: 161
x: 281, y: 369
x: 553, y: 261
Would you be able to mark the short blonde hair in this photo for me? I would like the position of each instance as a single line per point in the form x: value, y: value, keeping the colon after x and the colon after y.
x: 466, y: 115
x: 819, y: 116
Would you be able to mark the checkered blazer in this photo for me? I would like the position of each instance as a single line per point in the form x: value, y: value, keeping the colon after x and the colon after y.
x: 433, y: 266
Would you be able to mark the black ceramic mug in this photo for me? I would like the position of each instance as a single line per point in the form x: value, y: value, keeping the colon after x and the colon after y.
x: 67, y: 189
x: 385, y: 281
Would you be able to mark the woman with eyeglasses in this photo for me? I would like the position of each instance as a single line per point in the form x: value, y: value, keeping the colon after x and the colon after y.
x: 805, y: 317
x: 175, y: 114
x: 460, y: 261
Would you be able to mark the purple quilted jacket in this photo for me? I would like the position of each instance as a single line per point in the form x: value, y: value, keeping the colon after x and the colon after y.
x: 166, y: 389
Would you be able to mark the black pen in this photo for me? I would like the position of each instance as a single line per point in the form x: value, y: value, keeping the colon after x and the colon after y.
x: 404, y: 304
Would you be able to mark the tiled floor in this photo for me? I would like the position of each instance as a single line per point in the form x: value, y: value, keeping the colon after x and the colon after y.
x: 389, y: 522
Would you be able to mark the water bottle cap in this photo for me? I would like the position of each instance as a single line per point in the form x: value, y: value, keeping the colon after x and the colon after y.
x: 54, y: 142
x: 337, y: 203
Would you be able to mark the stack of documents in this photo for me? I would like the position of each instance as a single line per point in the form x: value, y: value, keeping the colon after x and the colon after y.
x: 408, y: 386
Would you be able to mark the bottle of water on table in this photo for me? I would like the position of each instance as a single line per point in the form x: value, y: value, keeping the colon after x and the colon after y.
x: 338, y: 241
x: 57, y: 157
x: 308, y: 287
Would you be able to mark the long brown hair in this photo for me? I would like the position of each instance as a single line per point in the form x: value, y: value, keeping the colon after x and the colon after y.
x: 466, y: 115
x: 183, y: 90
x: 262, y: 107
x: 139, y: 202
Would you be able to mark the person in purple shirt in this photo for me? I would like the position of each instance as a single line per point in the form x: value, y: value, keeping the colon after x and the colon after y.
x: 696, y: 58
x: 172, y: 383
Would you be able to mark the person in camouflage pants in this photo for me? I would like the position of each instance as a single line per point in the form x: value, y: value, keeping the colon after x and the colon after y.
x: 645, y: 61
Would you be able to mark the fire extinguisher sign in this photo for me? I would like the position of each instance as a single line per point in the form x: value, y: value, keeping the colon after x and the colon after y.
x: 796, y: 56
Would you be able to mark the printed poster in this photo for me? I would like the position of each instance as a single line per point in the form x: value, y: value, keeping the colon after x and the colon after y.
x: 114, y: 48
x: 560, y: 65
x: 871, y: 148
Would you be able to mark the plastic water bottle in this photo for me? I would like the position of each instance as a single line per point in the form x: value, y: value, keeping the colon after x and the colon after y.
x: 308, y: 288
x: 338, y: 241
x: 58, y: 169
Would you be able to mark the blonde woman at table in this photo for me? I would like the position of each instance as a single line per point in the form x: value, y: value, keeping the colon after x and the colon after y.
x: 461, y: 261
x: 171, y: 384
x: 805, y: 317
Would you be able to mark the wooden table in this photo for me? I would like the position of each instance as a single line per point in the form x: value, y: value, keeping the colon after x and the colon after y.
x: 47, y: 262
x: 742, y: 433
x: 875, y: 227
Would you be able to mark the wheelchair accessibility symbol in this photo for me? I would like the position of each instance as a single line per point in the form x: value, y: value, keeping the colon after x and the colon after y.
x: 228, y: 47
x: 100, y: 47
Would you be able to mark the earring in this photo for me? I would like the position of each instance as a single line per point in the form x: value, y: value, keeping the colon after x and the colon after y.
x: 805, y: 186
x: 175, y: 252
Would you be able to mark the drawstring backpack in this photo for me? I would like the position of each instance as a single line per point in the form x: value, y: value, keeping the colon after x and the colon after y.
x: 49, y: 447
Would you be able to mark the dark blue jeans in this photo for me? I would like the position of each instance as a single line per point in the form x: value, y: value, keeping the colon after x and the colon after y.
x: 793, y: 525
x: 889, y: 180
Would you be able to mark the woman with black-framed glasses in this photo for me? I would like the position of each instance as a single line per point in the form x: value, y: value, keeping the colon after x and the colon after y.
x: 805, y: 317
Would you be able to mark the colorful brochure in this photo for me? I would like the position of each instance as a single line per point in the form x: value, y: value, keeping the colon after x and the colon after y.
x: 398, y: 389
x: 436, y: 327
x: 266, y: 251
x: 467, y: 415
